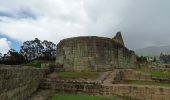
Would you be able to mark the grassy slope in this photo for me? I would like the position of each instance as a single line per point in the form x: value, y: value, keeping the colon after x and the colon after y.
x: 154, y: 73
x: 78, y: 75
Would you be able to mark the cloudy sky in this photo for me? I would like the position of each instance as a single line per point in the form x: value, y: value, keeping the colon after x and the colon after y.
x: 143, y: 23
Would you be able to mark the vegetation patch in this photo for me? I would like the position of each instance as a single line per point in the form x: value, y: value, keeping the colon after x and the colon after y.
x: 78, y: 75
x: 37, y: 63
x: 154, y: 73
x: 148, y: 83
x: 80, y: 97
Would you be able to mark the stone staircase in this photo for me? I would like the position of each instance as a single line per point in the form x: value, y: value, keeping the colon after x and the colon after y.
x: 111, y: 78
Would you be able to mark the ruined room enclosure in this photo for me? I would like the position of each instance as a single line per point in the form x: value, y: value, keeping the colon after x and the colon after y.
x: 22, y: 84
x: 119, y: 82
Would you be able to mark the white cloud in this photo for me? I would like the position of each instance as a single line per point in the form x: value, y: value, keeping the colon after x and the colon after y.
x: 139, y: 20
x: 58, y: 19
x: 4, y: 45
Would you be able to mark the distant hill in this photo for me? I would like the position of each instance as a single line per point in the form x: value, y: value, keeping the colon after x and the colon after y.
x: 153, y: 51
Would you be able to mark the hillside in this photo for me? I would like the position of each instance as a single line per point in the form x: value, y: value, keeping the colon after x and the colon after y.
x: 153, y: 51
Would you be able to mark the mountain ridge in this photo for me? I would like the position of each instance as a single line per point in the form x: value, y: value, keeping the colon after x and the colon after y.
x: 153, y: 50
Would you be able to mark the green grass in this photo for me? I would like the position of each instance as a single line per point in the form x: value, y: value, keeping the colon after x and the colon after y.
x: 78, y: 75
x: 135, y: 82
x: 154, y: 73
x: 79, y: 97
x: 37, y: 63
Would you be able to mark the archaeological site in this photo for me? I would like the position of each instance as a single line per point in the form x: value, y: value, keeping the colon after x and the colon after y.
x: 97, y: 66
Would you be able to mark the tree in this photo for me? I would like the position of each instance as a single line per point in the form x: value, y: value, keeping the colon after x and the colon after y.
x: 12, y: 58
x: 0, y: 58
x: 32, y: 49
x: 161, y: 57
x: 164, y: 58
x: 142, y: 59
x: 49, y: 51
x: 35, y: 49
x: 154, y: 59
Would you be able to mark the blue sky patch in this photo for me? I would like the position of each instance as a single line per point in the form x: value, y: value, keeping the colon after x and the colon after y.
x: 5, y: 14
x: 15, y: 44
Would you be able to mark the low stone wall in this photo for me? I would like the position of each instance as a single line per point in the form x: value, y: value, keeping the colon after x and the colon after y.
x: 134, y: 92
x: 137, y: 92
x: 72, y: 86
x: 160, y: 69
x: 17, y: 83
x: 129, y: 74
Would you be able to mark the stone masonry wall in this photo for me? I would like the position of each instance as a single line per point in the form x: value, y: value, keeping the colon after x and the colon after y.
x: 134, y: 92
x: 129, y: 74
x: 93, y: 53
x: 72, y: 86
x: 17, y: 83
x: 137, y: 92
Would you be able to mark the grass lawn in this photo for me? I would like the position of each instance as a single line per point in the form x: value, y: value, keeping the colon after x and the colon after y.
x: 155, y: 73
x: 78, y: 75
x: 79, y: 97
x: 148, y: 83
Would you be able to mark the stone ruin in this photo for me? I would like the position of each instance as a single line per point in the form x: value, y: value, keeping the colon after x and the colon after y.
x: 94, y: 53
x: 84, y: 53
x: 21, y: 83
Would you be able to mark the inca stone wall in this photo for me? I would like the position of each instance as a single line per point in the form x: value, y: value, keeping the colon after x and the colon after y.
x: 17, y: 83
x: 72, y: 86
x: 133, y: 92
x: 129, y: 74
x: 138, y: 92
x: 94, y: 53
